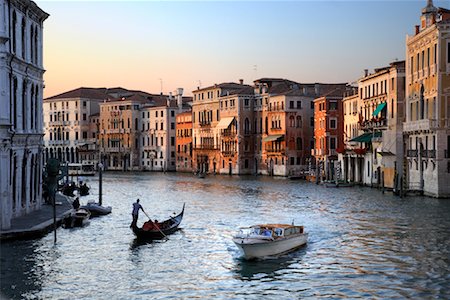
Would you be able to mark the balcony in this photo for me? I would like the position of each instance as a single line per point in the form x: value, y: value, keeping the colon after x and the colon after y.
x: 272, y: 151
x: 411, y: 153
x: 374, y: 124
x: 420, y: 125
x: 228, y: 153
x: 205, y: 147
x: 205, y: 124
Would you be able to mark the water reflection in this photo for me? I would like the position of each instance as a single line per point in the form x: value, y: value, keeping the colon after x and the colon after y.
x: 361, y: 244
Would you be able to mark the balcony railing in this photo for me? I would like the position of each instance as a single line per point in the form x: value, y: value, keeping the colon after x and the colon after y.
x: 205, y: 123
x: 375, y: 123
x: 412, y: 153
x: 205, y: 147
x: 275, y: 151
x: 420, y: 125
x: 431, y: 153
x: 228, y: 153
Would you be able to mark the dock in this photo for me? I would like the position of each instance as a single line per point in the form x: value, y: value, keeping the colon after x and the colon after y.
x: 37, y: 223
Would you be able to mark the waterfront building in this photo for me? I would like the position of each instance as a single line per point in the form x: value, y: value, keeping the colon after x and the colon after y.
x: 352, y: 157
x: 328, y: 134
x: 375, y: 155
x: 286, y: 116
x: 183, y: 142
x: 427, y: 126
x: 120, y: 134
x: 207, y: 126
x: 236, y: 136
x: 70, y: 135
x: 158, y: 147
x: 21, y: 124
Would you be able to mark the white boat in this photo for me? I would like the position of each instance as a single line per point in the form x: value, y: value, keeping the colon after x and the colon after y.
x: 81, y: 169
x: 77, y: 218
x: 96, y: 209
x: 265, y: 240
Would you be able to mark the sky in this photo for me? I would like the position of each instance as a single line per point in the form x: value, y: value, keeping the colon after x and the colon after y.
x: 158, y: 46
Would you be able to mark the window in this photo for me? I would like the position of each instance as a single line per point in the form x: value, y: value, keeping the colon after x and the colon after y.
x: 332, y: 123
x: 448, y: 52
x: 172, y: 125
x: 162, y: 141
x: 172, y: 113
x: 84, y: 117
x: 333, y: 105
x: 311, y: 104
x: 291, y: 104
x: 299, y: 143
x: 85, y: 135
x: 84, y: 103
x: 162, y: 114
x: 311, y: 122
x: 332, y: 143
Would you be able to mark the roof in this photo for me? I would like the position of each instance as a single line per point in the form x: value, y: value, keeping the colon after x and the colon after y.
x: 82, y: 92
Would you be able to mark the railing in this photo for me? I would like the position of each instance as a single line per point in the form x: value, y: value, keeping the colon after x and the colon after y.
x: 411, y: 153
x: 205, y: 123
x: 228, y: 153
x: 205, y: 147
x: 271, y: 150
x: 378, y: 123
x: 420, y: 125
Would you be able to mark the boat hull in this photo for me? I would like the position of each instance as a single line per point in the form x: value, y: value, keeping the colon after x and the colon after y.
x: 97, y: 210
x: 257, y: 248
x: 167, y: 227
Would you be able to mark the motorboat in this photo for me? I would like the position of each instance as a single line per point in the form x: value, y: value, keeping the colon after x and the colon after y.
x: 156, y: 231
x: 76, y: 218
x: 96, y: 209
x: 265, y: 240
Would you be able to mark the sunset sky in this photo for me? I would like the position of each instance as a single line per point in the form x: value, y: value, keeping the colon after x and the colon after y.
x: 149, y: 45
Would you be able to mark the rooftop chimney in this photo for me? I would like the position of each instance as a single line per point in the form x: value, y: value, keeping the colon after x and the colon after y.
x: 417, y: 29
x: 366, y: 72
x: 241, y: 81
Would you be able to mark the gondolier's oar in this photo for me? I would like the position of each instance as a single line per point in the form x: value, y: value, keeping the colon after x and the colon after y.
x: 156, y: 225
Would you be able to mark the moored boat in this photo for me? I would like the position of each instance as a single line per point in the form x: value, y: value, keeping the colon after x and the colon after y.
x: 77, y: 218
x: 265, y: 240
x: 156, y: 231
x: 96, y: 209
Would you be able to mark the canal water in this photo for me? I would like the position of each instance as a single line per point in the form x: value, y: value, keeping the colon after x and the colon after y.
x: 362, y: 244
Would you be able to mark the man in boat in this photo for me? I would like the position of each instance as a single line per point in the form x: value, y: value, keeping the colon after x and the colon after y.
x: 135, y: 213
x: 76, y: 203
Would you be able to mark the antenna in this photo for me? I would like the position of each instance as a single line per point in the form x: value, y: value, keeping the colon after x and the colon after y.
x: 255, y: 69
x: 161, y: 83
x: 199, y: 83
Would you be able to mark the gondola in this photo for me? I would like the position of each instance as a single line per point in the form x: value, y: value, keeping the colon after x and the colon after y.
x: 152, y: 231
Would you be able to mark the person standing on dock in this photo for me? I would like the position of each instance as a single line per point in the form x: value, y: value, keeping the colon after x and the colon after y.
x: 135, y: 213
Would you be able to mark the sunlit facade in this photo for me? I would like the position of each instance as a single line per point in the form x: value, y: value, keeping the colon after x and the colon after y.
x: 426, y: 128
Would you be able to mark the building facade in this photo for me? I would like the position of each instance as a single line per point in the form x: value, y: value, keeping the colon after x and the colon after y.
x: 71, y: 130
x: 328, y: 134
x: 427, y: 127
x: 158, y: 147
x: 183, y: 142
x: 21, y: 124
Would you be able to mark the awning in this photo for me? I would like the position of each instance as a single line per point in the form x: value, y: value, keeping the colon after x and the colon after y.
x: 275, y: 137
x: 366, y: 137
x: 379, y: 108
x: 224, y: 122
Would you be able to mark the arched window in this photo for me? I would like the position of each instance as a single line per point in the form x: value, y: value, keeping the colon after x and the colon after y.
x: 246, y: 126
x: 32, y: 43
x: 23, y: 38
x: 292, y: 121
x: 422, y: 102
x: 14, y: 32
x: 24, y: 105
x: 36, y: 39
x: 299, y: 121
x: 299, y: 143
x: 266, y: 126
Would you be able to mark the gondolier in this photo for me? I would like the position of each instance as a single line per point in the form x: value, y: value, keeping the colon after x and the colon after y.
x: 135, y: 213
